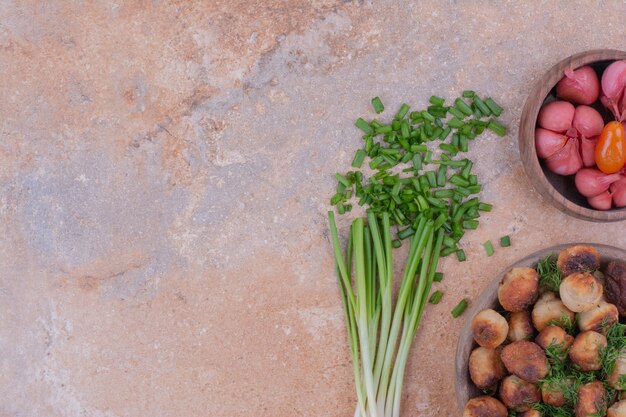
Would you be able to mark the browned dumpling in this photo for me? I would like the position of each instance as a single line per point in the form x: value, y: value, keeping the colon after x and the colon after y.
x: 620, y: 370
x: 518, y: 289
x: 617, y: 410
x: 580, y: 291
x: 549, y: 310
x: 554, y: 335
x: 578, y: 258
x: 518, y: 394
x: 486, y: 367
x: 484, y: 406
x: 530, y: 413
x: 489, y: 328
x: 591, y: 399
x: 585, y: 351
x: 553, y: 392
x: 520, y: 326
x: 526, y: 360
x: 599, y: 318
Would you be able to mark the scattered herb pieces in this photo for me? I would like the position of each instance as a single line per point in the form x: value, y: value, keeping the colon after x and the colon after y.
x: 459, y: 309
x: 488, y: 247
x: 427, y: 186
x: 435, y: 297
x: 377, y: 105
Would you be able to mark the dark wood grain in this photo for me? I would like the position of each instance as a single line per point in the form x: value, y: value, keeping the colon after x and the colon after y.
x: 465, y: 389
x: 559, y: 190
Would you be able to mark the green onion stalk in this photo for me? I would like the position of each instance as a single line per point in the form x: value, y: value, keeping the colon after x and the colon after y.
x: 380, y: 334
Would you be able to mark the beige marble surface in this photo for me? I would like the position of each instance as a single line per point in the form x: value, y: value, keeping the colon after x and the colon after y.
x: 165, y: 169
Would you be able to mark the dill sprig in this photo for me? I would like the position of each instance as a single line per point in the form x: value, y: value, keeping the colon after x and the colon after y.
x: 621, y: 382
x: 549, y: 274
x: 565, y: 322
x: 552, y: 411
x: 616, y: 346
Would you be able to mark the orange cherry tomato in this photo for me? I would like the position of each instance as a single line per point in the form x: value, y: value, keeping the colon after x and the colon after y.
x: 610, y: 152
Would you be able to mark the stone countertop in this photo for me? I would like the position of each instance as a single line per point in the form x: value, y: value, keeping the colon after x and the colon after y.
x: 165, y: 171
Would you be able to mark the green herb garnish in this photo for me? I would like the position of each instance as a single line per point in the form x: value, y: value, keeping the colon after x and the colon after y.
x: 549, y: 274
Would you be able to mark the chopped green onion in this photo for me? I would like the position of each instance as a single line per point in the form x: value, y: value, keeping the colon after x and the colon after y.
x: 494, y: 107
x: 396, y: 243
x: 468, y: 93
x: 436, y: 202
x: 437, y: 101
x: 488, y: 247
x: 484, y: 109
x: 448, y: 148
x: 460, y: 254
x: 448, y: 251
x: 456, y: 164
x: 343, y: 180
x: 444, y: 133
x: 470, y: 224
x: 505, y: 241
x: 377, y: 105
x: 462, y: 106
x: 456, y: 113
x: 485, y: 207
x: 404, y: 129
x: 363, y: 125
x: 432, y: 179
x: 463, y: 143
x: 428, y: 116
x: 458, y: 180
x: 403, y: 234
x: 435, y: 297
x: 447, y: 193
x: 359, y: 156
x: 417, y: 162
x: 441, y: 175
x: 369, y: 143
x: 459, y: 309
x: 496, y: 127
x: 438, y: 277
x: 465, y: 192
x: 467, y: 169
x: 455, y: 122
x: 402, y: 111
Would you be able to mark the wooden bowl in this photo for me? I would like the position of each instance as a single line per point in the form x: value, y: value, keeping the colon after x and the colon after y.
x: 465, y: 389
x: 559, y: 190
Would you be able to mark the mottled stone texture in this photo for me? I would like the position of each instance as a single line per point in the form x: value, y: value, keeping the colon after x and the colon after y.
x: 165, y: 170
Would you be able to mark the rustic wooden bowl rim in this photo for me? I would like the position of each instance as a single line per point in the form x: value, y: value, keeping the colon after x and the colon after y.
x: 488, y: 298
x: 526, y: 136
